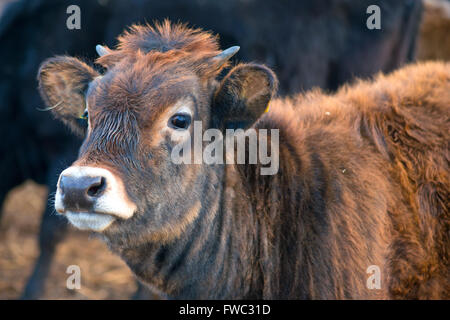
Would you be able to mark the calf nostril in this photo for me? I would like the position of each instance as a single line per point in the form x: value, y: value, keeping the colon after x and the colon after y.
x: 97, y: 188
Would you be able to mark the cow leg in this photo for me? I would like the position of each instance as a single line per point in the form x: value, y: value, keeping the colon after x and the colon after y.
x: 52, y: 231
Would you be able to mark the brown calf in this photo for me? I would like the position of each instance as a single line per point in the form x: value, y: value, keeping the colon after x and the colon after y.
x: 363, y: 175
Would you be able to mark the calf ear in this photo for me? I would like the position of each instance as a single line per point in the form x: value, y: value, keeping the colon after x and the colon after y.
x: 63, y: 82
x: 243, y: 96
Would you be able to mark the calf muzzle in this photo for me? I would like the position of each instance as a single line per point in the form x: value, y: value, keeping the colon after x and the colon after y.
x: 92, y: 197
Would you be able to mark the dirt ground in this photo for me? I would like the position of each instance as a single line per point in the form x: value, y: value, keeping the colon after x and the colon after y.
x: 103, y: 275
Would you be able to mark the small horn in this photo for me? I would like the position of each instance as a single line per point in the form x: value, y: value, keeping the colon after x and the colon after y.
x: 101, y: 50
x: 225, y: 55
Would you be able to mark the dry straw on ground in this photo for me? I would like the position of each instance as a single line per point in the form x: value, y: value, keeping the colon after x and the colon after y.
x: 103, y: 275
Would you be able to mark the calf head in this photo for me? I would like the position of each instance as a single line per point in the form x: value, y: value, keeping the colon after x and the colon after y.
x: 158, y: 81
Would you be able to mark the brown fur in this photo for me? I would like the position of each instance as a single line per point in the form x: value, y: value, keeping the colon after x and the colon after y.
x: 363, y: 177
x: 399, y: 124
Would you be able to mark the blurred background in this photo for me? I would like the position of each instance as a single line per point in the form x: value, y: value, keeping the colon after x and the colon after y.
x: 320, y: 43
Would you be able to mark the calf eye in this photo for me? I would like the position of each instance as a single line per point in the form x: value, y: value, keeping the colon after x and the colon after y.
x: 180, y: 121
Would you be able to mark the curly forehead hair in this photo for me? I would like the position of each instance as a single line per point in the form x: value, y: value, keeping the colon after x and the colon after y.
x: 162, y: 43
